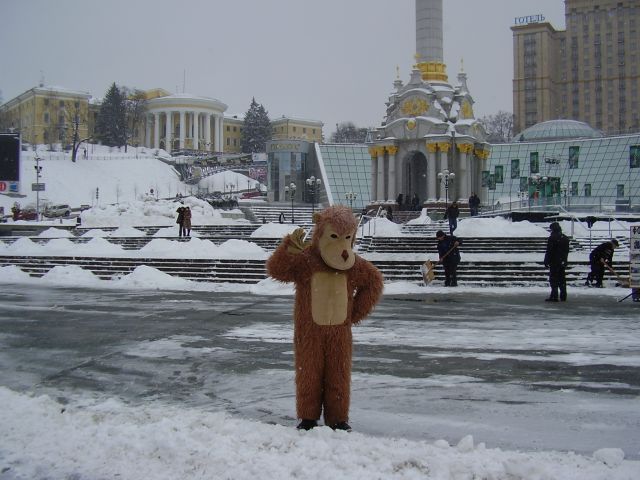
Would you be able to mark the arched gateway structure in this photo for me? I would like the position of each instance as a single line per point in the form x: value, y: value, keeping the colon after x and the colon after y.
x: 429, y: 127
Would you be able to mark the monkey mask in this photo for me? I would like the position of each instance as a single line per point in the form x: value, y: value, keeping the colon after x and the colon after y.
x: 335, y: 236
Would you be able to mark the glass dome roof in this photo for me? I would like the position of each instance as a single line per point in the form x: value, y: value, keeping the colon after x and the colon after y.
x: 556, y: 130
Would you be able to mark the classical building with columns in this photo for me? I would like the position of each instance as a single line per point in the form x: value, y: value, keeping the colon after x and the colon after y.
x: 430, y: 128
x: 184, y: 122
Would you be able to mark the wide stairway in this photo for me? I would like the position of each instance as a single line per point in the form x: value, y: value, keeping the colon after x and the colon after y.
x: 402, y: 257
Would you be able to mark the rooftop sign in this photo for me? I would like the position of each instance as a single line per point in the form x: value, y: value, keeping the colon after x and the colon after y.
x: 529, y: 19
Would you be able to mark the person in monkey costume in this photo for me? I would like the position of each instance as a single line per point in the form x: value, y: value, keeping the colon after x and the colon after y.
x: 335, y: 288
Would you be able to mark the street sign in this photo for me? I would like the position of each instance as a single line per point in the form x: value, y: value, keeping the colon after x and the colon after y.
x: 37, y: 187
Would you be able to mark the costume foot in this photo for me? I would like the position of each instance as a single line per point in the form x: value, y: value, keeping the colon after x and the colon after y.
x: 342, y: 426
x: 307, y: 424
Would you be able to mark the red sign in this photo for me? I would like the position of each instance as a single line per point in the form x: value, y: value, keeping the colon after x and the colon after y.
x: 3, y: 186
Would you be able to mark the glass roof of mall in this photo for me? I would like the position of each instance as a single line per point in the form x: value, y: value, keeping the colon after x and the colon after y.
x: 557, y: 130
x: 348, y: 169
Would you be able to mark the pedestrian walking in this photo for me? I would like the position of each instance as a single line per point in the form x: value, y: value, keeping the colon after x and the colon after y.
x: 452, y: 214
x: 474, y: 204
x: 186, y: 222
x: 180, y: 220
x: 449, y: 256
x: 555, y: 259
x: 599, y: 258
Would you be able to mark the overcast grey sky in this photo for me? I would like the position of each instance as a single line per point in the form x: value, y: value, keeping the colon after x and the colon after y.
x: 329, y: 60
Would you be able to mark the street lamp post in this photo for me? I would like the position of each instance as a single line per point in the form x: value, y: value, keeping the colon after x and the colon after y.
x: 350, y: 197
x: 313, y: 184
x: 38, y: 173
x: 445, y: 177
x: 290, y: 191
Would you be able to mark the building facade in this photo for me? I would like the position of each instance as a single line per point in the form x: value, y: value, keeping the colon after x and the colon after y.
x: 568, y: 163
x: 588, y: 72
x: 47, y: 115
x: 173, y: 122
x: 297, y: 129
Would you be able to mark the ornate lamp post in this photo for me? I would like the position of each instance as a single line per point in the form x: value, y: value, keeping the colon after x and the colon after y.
x: 445, y: 177
x: 290, y: 191
x: 313, y: 184
x: 350, y: 197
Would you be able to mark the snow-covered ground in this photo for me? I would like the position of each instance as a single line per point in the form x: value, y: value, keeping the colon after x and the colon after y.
x: 110, y: 439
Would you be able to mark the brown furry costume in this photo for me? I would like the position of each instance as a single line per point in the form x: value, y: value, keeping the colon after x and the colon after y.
x: 334, y: 289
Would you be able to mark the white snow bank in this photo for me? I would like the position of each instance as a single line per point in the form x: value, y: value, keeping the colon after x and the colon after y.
x: 110, y: 439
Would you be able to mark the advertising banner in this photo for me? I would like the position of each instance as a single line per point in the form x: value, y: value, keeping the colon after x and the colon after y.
x: 634, y: 256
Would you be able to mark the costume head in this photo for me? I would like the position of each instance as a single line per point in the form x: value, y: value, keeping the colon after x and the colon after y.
x: 334, y: 236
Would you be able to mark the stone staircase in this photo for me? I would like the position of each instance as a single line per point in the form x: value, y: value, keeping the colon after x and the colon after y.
x: 417, y: 240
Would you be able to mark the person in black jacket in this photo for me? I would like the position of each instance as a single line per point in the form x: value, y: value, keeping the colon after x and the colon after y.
x: 600, y: 256
x: 555, y: 259
x: 449, y: 256
x: 452, y: 214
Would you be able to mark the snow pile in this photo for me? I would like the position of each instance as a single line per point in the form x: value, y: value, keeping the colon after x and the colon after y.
x: 109, y: 439
x: 498, y: 227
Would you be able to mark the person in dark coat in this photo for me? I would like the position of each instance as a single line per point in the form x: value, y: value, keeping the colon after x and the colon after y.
x: 599, y: 257
x: 474, y: 204
x: 452, y: 214
x: 555, y: 259
x: 180, y: 220
x: 449, y: 256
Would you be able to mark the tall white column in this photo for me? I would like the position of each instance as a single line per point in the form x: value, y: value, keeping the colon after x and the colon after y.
x: 219, y: 136
x: 373, y: 151
x: 444, y: 165
x: 432, y: 175
x: 147, y: 133
x: 183, y: 129
x: 196, y: 130
x: 380, y: 189
x: 392, y: 172
x: 216, y: 133
x: 207, y: 131
x: 156, y: 130
x: 168, y: 141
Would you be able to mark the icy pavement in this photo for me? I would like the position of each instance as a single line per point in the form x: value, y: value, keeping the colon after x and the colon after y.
x: 511, y: 370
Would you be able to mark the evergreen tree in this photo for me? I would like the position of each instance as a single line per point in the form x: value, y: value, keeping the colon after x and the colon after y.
x: 111, y: 123
x: 257, y: 129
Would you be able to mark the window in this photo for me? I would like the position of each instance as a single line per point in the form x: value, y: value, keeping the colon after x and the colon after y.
x: 228, y: 128
x: 46, y: 117
x: 574, y: 154
x: 587, y: 189
x: 574, y: 189
x: 620, y: 190
x: 534, y: 165
x: 46, y: 102
x: 228, y: 141
x: 304, y: 130
x: 61, y: 103
x: 235, y: 129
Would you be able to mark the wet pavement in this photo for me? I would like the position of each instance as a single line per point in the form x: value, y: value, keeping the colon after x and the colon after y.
x: 512, y: 370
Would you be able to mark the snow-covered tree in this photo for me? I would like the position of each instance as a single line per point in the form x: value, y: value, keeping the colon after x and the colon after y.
x: 257, y: 129
x: 111, y: 126
x: 499, y: 127
x: 347, y: 132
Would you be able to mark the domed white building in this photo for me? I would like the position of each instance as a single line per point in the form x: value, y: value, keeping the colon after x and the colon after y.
x: 184, y: 122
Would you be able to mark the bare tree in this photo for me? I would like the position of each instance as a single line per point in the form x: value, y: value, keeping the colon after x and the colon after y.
x: 135, y: 104
x: 347, y: 132
x: 499, y: 127
x: 75, y: 118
